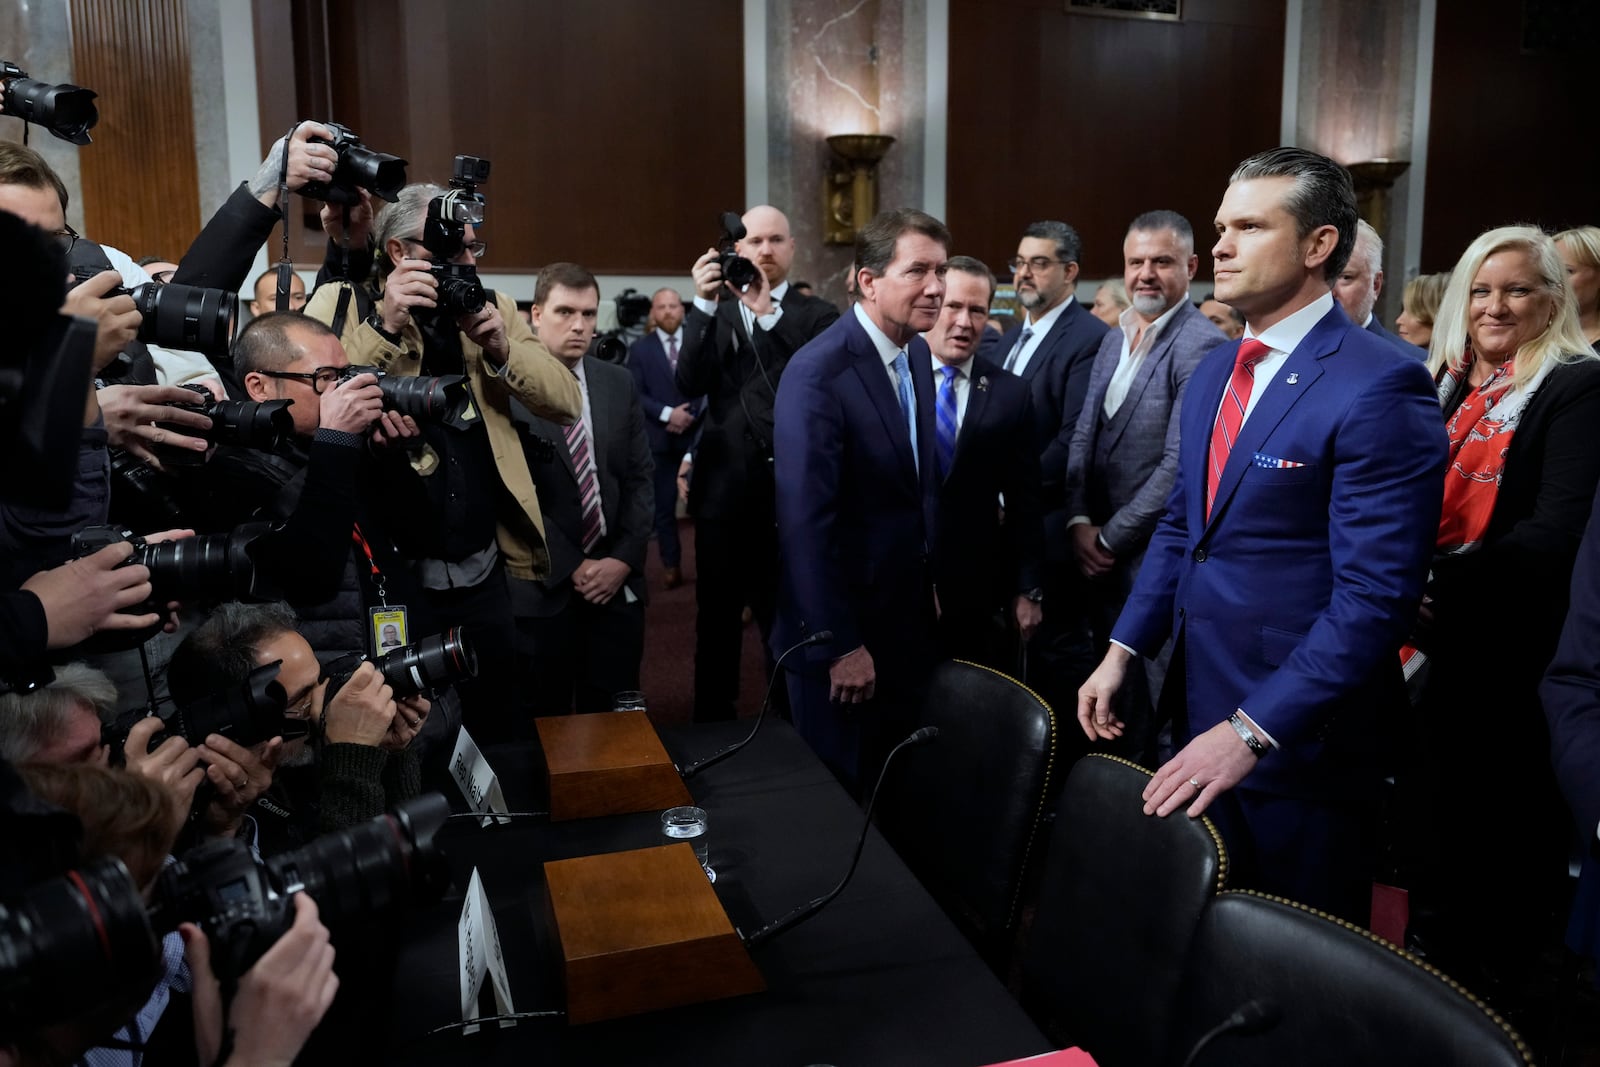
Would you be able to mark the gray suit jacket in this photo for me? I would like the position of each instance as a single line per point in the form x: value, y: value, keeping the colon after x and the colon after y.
x: 1120, y: 470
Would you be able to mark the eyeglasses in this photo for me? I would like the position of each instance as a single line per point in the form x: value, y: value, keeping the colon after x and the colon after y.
x: 477, y: 248
x: 319, y: 379
x: 66, y: 237
x: 1038, y: 264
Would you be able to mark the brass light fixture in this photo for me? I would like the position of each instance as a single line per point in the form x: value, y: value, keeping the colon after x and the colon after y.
x: 850, y: 189
x: 1373, y: 181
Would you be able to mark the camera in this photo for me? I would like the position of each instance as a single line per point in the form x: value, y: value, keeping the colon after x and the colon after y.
x: 264, y: 425
x: 381, y: 175
x: 432, y: 663
x: 444, y: 234
x: 65, y: 110
x: 173, y: 316
x: 736, y: 270
x: 442, y: 399
x: 207, y: 567
x: 246, y: 714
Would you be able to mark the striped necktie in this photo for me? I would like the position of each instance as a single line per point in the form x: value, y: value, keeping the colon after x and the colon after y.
x: 672, y: 352
x: 1016, y: 351
x: 1230, y: 417
x: 945, y: 420
x: 588, y: 482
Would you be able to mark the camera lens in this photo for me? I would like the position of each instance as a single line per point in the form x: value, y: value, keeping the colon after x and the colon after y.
x: 371, y: 867
x: 67, y: 111
x: 431, y: 663
x: 424, y: 398
x: 259, y: 424
x: 460, y: 292
x: 207, y: 567
x: 187, y: 317
x: 380, y: 174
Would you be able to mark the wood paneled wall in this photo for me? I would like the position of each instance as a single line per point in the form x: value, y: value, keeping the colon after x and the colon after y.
x: 1510, y: 138
x: 141, y: 190
x: 1092, y: 120
x: 616, y: 129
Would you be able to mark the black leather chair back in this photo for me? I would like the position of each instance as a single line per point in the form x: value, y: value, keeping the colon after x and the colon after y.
x: 964, y: 811
x: 1344, y: 995
x: 1121, y: 896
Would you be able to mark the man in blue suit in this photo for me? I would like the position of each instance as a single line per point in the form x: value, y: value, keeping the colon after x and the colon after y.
x: 1053, y: 350
x: 669, y: 419
x: 1292, y: 556
x: 856, y: 500
x: 1361, y: 283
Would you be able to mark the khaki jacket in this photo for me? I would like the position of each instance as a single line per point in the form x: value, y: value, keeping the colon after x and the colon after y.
x: 531, y: 374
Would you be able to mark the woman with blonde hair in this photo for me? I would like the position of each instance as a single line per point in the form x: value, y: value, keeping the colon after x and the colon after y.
x: 1580, y: 253
x: 1418, y: 306
x: 1520, y: 391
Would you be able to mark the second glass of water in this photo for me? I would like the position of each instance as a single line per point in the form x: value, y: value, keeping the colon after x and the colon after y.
x: 690, y: 824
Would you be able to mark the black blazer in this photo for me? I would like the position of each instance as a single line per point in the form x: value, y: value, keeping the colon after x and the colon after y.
x: 981, y: 564
x: 653, y: 378
x: 718, y: 363
x: 622, y: 457
x: 1058, y: 379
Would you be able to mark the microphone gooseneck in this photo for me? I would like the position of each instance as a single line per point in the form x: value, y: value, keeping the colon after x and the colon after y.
x: 810, y: 908
x: 1251, y: 1017
x: 723, y: 753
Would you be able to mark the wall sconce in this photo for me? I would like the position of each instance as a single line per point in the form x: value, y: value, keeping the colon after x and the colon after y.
x: 850, y: 190
x: 1373, y: 180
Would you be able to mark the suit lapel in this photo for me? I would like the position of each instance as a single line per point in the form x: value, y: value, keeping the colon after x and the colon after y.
x: 977, y: 404
x: 875, y: 380
x: 1157, y: 357
x: 1304, y: 367
x: 601, y: 418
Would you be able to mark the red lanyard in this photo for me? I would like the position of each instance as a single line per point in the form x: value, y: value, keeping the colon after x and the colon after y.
x: 366, y: 550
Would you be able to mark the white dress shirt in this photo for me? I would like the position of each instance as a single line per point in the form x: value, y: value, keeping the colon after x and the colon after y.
x: 1040, y: 328
x: 663, y: 336
x: 1133, y: 355
x: 1281, y: 338
x: 748, y: 317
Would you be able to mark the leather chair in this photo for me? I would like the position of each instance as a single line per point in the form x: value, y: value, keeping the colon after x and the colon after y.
x: 1121, y: 896
x: 964, y: 812
x: 1341, y: 995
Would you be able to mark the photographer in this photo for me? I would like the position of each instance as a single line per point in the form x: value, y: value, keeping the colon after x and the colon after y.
x: 359, y: 760
x: 734, y: 352
x: 478, y: 515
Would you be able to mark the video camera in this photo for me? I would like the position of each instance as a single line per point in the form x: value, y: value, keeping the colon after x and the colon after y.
x: 173, y: 316
x: 736, y: 270
x: 432, y: 663
x: 246, y: 714
x: 85, y: 939
x: 207, y: 567
x: 444, y: 234
x: 65, y: 110
x: 381, y: 175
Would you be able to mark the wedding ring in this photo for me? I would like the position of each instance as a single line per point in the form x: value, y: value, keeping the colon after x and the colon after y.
x: 1196, y: 783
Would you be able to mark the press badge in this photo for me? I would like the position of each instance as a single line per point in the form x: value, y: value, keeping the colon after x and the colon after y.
x: 389, y: 630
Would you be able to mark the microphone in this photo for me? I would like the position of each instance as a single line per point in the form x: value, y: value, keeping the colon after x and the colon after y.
x: 1251, y: 1017
x: 805, y: 911
x: 723, y: 753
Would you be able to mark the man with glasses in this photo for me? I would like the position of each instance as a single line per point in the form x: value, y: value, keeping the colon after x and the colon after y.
x: 475, y: 515
x: 1052, y: 349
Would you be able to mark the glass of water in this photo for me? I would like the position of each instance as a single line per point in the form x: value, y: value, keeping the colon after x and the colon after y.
x: 627, y: 700
x: 689, y: 824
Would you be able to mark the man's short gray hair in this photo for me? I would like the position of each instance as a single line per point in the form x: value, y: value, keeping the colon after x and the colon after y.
x: 1367, y: 238
x: 403, y: 220
x: 30, y: 721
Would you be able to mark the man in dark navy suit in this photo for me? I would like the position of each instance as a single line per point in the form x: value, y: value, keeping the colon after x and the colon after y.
x: 669, y: 418
x: 1291, y: 559
x: 1053, y: 350
x: 983, y: 442
x: 856, y: 499
x: 1361, y: 283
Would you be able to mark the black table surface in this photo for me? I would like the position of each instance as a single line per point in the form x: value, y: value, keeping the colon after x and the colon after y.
x: 879, y: 977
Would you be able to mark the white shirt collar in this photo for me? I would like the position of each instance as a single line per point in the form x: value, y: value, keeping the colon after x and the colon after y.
x: 779, y: 291
x: 887, y: 349
x: 963, y: 369
x: 1129, y: 321
x: 1286, y: 334
x: 675, y: 335
x: 1366, y: 323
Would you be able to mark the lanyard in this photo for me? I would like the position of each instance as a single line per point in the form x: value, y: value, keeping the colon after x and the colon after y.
x: 366, y: 550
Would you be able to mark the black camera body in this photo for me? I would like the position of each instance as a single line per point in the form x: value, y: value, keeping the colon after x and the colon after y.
x: 444, y: 234
x: 736, y: 270
x: 264, y: 425
x: 380, y: 174
x: 174, y: 316
x: 429, y: 664
x: 246, y: 714
x: 67, y: 111
x: 207, y: 567
x: 444, y: 398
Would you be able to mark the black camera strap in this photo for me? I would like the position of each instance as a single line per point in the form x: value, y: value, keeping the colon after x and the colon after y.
x: 285, y: 266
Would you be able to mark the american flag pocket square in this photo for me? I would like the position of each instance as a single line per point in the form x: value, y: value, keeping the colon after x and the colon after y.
x: 1273, y: 463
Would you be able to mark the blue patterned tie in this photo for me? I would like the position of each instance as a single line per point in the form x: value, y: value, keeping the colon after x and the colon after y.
x: 908, y: 405
x: 945, y: 420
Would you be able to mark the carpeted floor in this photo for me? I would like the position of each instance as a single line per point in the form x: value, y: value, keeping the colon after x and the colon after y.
x: 667, y: 676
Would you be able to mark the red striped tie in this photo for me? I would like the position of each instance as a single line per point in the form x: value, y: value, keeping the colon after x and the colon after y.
x: 1231, y: 415
x: 588, y: 482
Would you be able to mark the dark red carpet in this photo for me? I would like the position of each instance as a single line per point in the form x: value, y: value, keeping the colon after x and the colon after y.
x: 667, y: 676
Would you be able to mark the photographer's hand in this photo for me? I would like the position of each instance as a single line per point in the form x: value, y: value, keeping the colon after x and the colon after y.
x: 597, y: 580
x: 410, y: 286
x: 307, y: 163
x: 707, y: 274
x: 131, y: 412
x: 757, y: 296
x: 394, y: 430
x: 239, y: 775
x: 360, y: 713
x: 352, y: 406
x: 116, y: 318
x: 85, y: 596
x: 361, y: 216
x: 487, y: 329
x: 173, y: 765
x: 280, y: 1000
x: 410, y: 714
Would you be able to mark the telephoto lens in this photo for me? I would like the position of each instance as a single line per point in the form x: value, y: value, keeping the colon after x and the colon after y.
x: 67, y: 111
x: 432, y: 663
x: 439, y: 399
x: 264, y: 425
x: 187, y: 317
